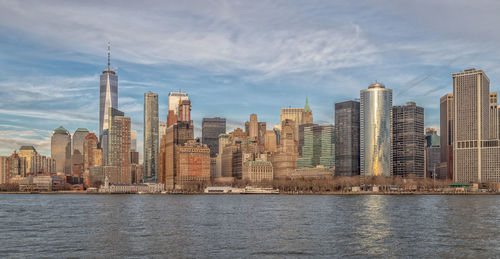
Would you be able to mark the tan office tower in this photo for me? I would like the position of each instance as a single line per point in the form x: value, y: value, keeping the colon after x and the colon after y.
x: 60, y: 149
x: 176, y: 135
x: 119, y: 146
x: 446, y: 124
x: 89, y: 147
x: 270, y: 141
x: 285, y: 160
x: 475, y: 153
x: 253, y: 129
x: 27, y: 152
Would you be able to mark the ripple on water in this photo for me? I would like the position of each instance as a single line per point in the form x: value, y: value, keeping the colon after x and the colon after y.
x: 249, y: 226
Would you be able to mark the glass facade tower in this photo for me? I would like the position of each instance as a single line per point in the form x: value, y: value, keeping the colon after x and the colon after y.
x: 376, y: 131
x: 108, y: 95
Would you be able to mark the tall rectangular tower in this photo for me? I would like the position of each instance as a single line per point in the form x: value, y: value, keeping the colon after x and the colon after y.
x: 108, y: 95
x: 119, y: 145
x: 408, y: 140
x: 471, y: 126
x: 447, y: 119
x: 347, y: 138
x: 211, y: 129
x: 151, y: 125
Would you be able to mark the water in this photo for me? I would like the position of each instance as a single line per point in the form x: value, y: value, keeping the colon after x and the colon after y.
x: 249, y: 226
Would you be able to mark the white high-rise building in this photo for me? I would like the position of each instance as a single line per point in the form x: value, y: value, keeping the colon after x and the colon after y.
x: 476, y: 152
x: 174, y: 98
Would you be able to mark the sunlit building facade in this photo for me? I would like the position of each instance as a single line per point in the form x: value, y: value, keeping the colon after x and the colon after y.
x: 376, y: 131
x: 119, y: 146
x: 151, y: 144
x: 108, y: 95
x: 476, y: 152
x: 174, y: 99
x: 60, y: 148
x: 447, y: 118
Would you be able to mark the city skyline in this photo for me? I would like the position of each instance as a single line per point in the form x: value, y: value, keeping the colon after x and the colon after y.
x: 61, y: 74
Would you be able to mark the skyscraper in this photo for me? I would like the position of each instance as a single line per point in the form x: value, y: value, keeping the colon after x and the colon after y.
x: 493, y: 120
x: 90, y: 147
x: 27, y: 152
x: 119, y: 145
x: 270, y: 141
x: 78, y: 151
x: 211, y: 129
x: 447, y: 118
x: 376, y: 131
x: 174, y: 99
x: 109, y: 95
x: 476, y: 152
x: 347, y: 138
x: 311, y: 149
x: 408, y: 140
x: 162, y: 126
x: 285, y: 160
x: 327, y: 157
x: 178, y: 132
x: 253, y: 129
x: 150, y: 137
x: 133, y: 140
x: 78, y: 139
x: 432, y: 154
x: 60, y: 148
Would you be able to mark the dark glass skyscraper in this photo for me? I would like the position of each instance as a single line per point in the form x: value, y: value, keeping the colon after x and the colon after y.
x: 109, y: 95
x: 151, y: 137
x: 347, y: 138
x: 211, y: 129
x: 408, y: 140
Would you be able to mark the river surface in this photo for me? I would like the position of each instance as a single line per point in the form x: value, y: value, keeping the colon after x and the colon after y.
x: 242, y: 226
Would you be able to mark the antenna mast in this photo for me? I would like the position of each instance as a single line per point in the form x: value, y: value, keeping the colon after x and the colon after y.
x: 109, y: 62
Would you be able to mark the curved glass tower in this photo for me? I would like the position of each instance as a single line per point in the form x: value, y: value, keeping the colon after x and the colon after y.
x: 376, y: 131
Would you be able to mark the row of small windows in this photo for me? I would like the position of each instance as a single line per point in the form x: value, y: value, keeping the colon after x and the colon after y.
x: 473, y: 144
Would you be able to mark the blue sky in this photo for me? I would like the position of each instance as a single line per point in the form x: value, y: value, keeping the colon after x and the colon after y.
x: 232, y: 57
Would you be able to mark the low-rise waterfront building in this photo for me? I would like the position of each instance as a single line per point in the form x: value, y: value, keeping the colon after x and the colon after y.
x: 257, y: 171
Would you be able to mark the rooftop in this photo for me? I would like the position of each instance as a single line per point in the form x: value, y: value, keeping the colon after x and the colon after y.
x: 31, y: 148
x: 258, y: 163
x: 60, y: 130
x: 376, y: 85
x: 82, y: 130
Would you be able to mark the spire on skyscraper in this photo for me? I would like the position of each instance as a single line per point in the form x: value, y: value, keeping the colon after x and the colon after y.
x: 109, y: 56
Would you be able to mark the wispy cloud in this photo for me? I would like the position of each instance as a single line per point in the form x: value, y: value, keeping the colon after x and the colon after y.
x: 234, y: 58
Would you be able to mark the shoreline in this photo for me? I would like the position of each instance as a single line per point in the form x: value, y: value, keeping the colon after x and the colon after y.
x: 281, y: 193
